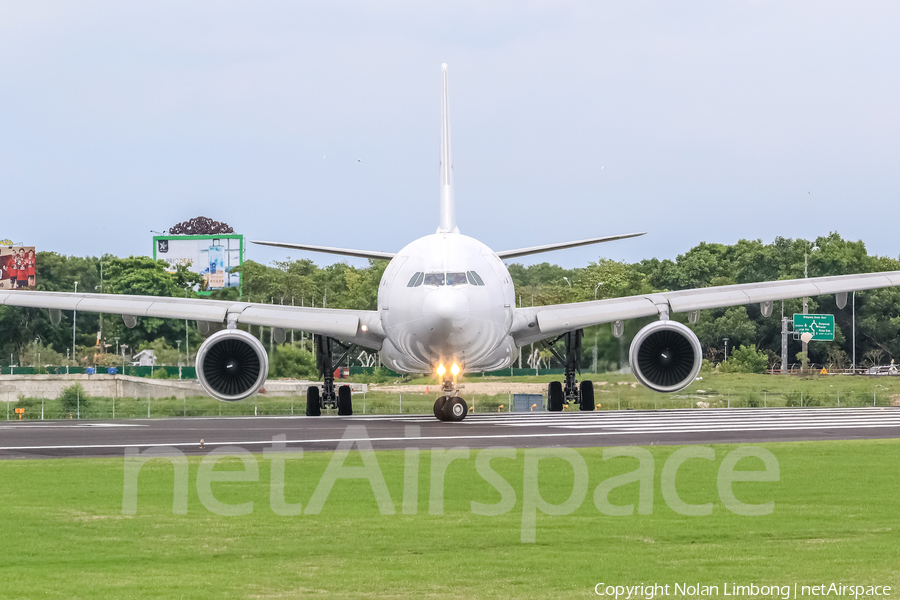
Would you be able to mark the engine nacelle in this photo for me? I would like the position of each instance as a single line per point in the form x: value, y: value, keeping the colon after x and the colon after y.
x: 665, y: 356
x: 232, y: 365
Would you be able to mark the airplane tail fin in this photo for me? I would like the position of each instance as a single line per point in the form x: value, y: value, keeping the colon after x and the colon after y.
x: 448, y: 212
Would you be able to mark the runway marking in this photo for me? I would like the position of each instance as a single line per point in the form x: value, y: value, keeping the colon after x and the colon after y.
x: 68, y: 426
x: 566, y: 434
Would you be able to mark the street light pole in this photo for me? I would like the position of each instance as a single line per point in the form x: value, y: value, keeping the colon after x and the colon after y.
x: 596, y: 287
x: 567, y: 281
x: 726, y: 349
x: 74, y: 317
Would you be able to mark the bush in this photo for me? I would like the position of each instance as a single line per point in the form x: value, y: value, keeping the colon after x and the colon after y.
x: 792, y: 398
x: 159, y: 373
x: 379, y: 375
x: 73, y: 397
x: 747, y: 359
x: 294, y: 362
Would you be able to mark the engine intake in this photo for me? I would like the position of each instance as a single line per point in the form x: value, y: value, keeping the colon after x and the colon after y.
x: 665, y: 356
x: 232, y: 365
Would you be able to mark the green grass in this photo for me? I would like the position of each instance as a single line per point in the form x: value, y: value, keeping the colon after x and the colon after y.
x: 618, y: 392
x: 64, y: 534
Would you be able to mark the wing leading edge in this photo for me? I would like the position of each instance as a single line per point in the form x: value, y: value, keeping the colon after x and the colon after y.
x: 541, y: 322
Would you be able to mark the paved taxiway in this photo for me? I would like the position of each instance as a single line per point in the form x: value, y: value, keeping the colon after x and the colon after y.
x: 54, y: 439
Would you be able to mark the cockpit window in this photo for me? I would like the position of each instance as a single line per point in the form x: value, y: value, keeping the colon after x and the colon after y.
x: 416, y: 280
x: 434, y: 279
x: 456, y: 279
x: 474, y: 278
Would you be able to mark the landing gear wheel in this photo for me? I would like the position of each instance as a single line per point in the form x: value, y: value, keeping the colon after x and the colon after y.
x: 455, y: 409
x: 555, y: 396
x: 345, y: 404
x: 586, y: 389
x: 439, y: 407
x: 313, y: 404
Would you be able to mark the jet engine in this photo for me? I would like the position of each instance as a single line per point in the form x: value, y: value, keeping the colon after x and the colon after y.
x: 665, y: 356
x: 232, y: 365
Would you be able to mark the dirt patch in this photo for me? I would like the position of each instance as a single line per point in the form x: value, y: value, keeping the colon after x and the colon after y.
x: 895, y: 400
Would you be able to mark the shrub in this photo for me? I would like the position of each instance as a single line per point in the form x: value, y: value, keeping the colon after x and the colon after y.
x: 73, y: 397
x: 747, y: 359
x: 159, y: 373
x: 792, y: 398
x: 294, y: 362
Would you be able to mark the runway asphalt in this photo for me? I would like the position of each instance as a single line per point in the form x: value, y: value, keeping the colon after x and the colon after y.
x: 59, y: 439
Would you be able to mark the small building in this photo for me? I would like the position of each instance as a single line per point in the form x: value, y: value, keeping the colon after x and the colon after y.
x: 145, y: 358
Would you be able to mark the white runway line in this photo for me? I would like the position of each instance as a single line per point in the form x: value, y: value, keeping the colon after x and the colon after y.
x: 623, y: 424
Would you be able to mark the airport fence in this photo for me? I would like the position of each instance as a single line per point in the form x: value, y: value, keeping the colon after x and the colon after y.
x: 39, y: 405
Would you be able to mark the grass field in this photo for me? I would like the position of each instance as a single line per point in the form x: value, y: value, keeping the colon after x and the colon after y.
x: 612, y: 392
x: 64, y: 534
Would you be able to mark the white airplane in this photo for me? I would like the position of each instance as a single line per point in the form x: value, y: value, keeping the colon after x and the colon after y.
x: 446, y: 305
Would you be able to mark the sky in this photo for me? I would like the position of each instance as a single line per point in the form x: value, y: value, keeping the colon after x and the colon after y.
x: 319, y: 123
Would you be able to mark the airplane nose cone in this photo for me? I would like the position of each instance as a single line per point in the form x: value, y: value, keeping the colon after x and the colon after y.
x: 446, y: 306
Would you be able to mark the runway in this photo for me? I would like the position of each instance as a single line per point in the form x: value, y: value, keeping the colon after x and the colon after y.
x: 59, y: 439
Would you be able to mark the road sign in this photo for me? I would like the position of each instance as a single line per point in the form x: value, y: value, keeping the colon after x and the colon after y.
x: 820, y: 326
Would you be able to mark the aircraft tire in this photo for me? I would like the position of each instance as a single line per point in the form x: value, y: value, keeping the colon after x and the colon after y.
x: 555, y: 397
x: 345, y: 403
x: 313, y: 404
x: 439, y: 407
x: 455, y: 409
x: 586, y: 388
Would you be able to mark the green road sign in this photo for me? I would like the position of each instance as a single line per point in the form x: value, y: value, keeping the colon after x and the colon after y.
x: 820, y: 326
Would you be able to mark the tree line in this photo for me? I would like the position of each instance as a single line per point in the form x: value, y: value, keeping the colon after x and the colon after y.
x: 26, y: 333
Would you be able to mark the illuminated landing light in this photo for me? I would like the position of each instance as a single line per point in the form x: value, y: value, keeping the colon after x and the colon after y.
x: 454, y: 369
x: 365, y: 328
x: 441, y: 370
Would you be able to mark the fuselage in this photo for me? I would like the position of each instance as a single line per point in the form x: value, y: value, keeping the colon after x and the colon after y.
x: 446, y: 298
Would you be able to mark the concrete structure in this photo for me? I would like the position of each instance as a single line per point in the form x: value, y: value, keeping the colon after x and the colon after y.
x: 126, y: 386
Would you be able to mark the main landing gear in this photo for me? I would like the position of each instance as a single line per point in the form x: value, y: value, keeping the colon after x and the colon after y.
x: 328, y: 397
x: 450, y: 407
x: 573, y: 393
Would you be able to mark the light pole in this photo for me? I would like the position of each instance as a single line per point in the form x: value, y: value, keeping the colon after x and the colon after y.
x: 117, y: 345
x: 178, y: 343
x: 74, y: 317
x: 875, y: 395
x: 567, y: 281
x: 596, y: 287
x: 726, y: 349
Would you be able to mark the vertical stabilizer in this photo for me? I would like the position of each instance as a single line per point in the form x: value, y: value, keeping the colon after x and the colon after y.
x: 448, y: 212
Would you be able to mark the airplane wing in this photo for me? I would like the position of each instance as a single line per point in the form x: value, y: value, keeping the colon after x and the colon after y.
x: 542, y: 322
x: 361, y: 327
x: 504, y: 254
x: 373, y: 254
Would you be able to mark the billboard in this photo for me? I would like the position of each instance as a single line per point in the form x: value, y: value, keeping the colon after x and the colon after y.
x: 212, y: 256
x: 17, y: 266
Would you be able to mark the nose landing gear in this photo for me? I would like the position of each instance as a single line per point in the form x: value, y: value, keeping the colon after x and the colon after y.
x: 449, y: 406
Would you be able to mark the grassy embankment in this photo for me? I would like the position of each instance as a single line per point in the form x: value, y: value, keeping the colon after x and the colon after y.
x: 64, y: 534
x: 612, y: 392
